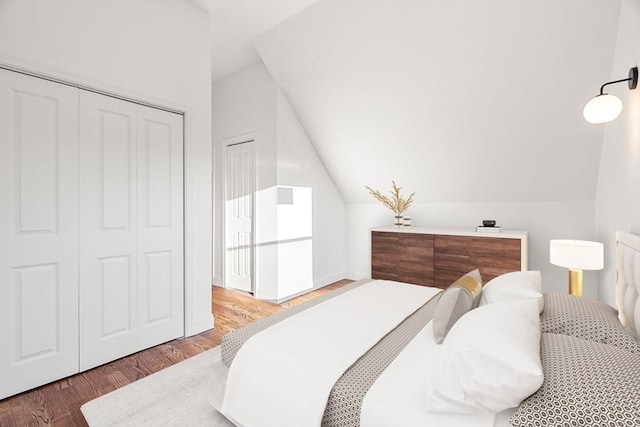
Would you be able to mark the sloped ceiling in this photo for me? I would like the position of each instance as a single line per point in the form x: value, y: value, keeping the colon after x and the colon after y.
x: 234, y: 24
x: 459, y: 101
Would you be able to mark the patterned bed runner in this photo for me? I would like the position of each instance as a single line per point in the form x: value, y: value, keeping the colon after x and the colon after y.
x: 345, y: 400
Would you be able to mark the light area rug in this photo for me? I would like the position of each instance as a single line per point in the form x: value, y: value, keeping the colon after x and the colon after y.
x: 176, y: 396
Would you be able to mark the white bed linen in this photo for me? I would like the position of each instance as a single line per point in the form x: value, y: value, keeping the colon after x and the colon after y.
x: 399, y: 396
x: 219, y: 383
x: 275, y: 380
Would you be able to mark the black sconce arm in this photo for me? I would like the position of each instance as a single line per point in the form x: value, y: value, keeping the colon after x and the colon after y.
x: 632, y: 79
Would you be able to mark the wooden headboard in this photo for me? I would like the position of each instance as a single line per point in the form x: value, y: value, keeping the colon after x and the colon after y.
x: 628, y: 281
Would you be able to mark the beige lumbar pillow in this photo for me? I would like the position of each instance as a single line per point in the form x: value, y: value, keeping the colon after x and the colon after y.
x: 460, y: 297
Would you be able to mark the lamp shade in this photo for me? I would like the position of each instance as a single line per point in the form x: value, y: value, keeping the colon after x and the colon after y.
x: 577, y: 254
x: 602, y: 108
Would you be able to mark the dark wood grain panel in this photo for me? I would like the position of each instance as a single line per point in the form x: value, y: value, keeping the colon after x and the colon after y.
x: 439, y: 260
x: 405, y: 257
x: 384, y: 255
x: 461, y: 254
x: 416, y: 262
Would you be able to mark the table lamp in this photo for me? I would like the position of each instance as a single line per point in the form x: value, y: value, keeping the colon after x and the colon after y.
x: 576, y: 255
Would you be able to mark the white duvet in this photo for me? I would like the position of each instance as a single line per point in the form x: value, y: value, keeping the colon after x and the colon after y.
x: 277, y: 381
x: 399, y: 396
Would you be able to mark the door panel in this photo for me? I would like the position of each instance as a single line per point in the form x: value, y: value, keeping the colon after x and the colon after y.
x: 36, y: 163
x: 115, y: 287
x: 38, y: 232
x: 35, y: 286
x: 116, y: 157
x: 108, y: 229
x: 160, y: 226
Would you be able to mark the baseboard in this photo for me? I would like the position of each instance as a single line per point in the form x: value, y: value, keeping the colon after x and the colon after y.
x: 327, y: 280
x: 217, y: 281
x: 200, y: 325
x: 318, y: 284
x: 292, y: 296
x: 356, y: 276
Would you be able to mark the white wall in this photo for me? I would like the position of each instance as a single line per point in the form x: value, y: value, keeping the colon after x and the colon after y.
x: 618, y: 193
x: 543, y: 220
x: 462, y: 102
x: 295, y: 240
x: 245, y: 104
x: 249, y: 103
x: 451, y: 98
x: 299, y: 165
x: 151, y: 50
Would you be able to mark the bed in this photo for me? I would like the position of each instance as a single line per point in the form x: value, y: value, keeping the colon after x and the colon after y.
x: 382, y: 353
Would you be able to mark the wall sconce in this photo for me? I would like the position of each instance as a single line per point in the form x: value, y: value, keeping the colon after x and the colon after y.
x: 604, y: 107
x: 576, y: 255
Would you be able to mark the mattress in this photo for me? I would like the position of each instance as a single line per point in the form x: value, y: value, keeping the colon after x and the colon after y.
x: 413, y: 337
x: 233, y: 341
x: 346, y: 397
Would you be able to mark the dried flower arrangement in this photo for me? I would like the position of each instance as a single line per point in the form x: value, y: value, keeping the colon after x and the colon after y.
x: 396, y: 202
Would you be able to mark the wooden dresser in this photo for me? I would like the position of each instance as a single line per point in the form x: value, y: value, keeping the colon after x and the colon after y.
x: 437, y: 256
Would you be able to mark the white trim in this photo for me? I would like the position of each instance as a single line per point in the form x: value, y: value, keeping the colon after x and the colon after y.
x: 192, y: 325
x: 355, y: 276
x: 240, y: 139
x: 226, y: 142
x: 469, y: 232
x: 318, y: 284
x: 328, y: 280
x: 627, y: 250
x: 33, y: 68
x: 214, y: 157
x: 524, y: 252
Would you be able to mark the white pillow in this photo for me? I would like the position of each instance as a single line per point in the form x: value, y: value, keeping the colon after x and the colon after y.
x: 517, y: 285
x: 490, y: 360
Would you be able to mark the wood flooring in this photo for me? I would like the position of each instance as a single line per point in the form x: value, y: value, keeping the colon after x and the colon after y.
x: 58, y: 403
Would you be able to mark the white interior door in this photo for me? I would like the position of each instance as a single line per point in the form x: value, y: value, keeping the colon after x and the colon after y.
x: 160, y: 226
x: 38, y: 232
x: 108, y: 229
x: 239, y: 199
x: 131, y: 228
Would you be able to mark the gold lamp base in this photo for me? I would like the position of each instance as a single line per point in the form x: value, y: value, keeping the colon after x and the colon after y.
x: 575, y: 282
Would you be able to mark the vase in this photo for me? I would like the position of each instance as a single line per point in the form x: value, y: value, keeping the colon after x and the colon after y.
x: 399, y: 221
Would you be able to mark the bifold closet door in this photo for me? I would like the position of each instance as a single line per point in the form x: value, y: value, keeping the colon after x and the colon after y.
x: 131, y: 228
x: 160, y: 227
x: 38, y: 232
x: 108, y: 229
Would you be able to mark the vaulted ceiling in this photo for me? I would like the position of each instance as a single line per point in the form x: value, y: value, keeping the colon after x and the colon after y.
x: 455, y: 100
x: 234, y: 24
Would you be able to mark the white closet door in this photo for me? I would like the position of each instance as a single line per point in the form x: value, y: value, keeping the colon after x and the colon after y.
x: 160, y: 226
x: 108, y: 229
x: 131, y: 228
x: 38, y: 232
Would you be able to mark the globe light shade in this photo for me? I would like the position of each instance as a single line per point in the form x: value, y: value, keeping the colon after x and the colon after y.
x: 602, y: 109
